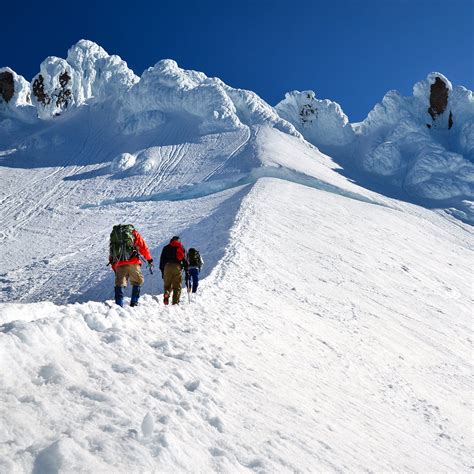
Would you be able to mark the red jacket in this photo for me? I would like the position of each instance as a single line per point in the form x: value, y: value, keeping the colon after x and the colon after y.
x: 141, y: 246
x: 174, y: 252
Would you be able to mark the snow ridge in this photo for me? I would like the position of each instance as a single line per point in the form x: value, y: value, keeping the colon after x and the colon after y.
x: 166, y: 89
x: 421, y: 144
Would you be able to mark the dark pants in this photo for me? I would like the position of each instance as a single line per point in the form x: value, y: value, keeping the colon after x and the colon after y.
x: 119, y: 295
x: 194, y: 278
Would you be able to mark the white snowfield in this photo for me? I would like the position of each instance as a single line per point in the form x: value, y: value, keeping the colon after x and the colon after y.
x: 333, y: 335
x: 331, y: 331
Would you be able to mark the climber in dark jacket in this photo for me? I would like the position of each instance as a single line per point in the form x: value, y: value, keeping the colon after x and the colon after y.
x: 172, y: 263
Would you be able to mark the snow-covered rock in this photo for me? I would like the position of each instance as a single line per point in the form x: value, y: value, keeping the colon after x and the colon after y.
x: 427, y: 134
x: 462, y: 106
x: 101, y: 75
x: 423, y: 144
x: 87, y: 72
x: 16, y: 109
x: 52, y: 87
x: 321, y: 122
x: 14, y: 89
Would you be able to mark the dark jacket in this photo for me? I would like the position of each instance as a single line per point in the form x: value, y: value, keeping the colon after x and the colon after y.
x: 172, y: 253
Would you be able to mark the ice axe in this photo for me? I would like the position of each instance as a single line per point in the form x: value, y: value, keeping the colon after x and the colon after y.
x: 149, y: 265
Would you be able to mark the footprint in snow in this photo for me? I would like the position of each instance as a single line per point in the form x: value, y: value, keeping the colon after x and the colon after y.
x: 110, y: 338
x: 123, y: 369
x: 50, y: 374
x: 163, y: 345
x: 192, y: 386
x: 216, y: 363
x: 216, y: 452
x: 216, y: 422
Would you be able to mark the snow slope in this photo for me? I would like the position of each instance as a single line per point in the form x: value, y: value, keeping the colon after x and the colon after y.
x: 68, y: 183
x: 331, y: 328
x: 334, y: 359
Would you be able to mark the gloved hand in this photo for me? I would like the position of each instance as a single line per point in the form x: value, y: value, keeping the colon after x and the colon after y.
x: 150, y: 262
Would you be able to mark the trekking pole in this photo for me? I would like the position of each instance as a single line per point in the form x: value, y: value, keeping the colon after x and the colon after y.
x: 188, y: 287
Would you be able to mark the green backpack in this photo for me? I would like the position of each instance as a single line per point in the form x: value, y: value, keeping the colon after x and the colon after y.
x: 194, y: 258
x: 121, y: 243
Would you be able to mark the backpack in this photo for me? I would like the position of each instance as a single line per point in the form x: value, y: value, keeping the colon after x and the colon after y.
x: 121, y: 243
x: 194, y: 259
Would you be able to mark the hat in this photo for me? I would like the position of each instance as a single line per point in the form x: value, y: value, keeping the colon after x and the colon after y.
x: 175, y: 237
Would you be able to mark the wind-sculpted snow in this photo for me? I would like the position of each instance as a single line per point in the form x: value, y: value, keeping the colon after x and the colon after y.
x: 14, y: 89
x: 167, y: 90
x: 429, y: 150
x: 321, y: 122
x: 423, y: 144
x: 213, y: 186
x: 87, y: 72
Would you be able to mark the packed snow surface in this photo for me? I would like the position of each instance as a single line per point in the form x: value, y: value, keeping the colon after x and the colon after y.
x: 331, y: 359
x: 331, y: 328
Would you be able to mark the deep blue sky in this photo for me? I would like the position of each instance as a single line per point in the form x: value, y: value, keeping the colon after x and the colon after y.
x: 350, y: 51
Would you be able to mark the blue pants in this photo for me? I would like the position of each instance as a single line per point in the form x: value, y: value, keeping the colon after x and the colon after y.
x: 193, y: 278
x: 119, y: 295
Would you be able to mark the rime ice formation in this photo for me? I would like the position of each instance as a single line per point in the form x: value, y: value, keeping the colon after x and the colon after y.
x: 424, y: 144
x: 14, y: 89
x: 167, y: 90
x: 321, y: 122
x: 15, y: 103
x: 87, y: 72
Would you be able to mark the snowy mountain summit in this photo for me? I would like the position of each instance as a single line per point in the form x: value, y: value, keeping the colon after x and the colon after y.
x: 422, y: 146
x: 330, y: 330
